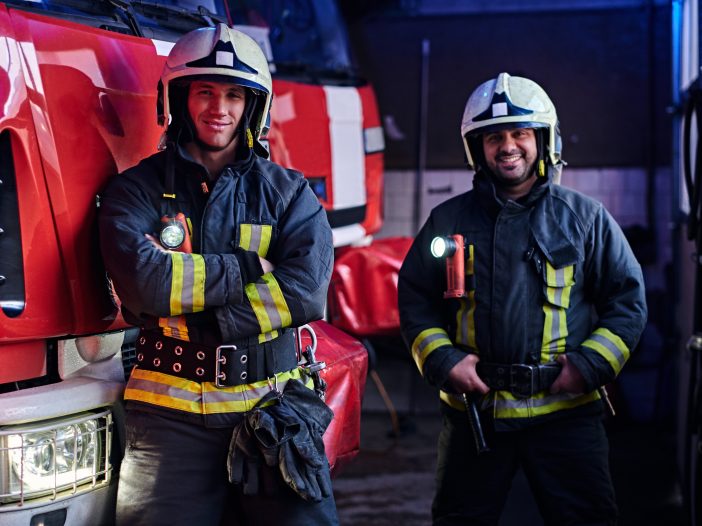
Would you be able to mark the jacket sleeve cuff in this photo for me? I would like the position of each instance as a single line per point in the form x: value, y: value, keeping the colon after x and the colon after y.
x: 582, y: 364
x: 438, y: 365
x: 249, y: 265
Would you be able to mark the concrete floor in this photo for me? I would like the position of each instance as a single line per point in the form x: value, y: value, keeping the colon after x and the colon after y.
x: 391, y: 482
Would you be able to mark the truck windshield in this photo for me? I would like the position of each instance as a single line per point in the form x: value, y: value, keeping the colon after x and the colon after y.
x: 307, y: 37
x: 163, y: 19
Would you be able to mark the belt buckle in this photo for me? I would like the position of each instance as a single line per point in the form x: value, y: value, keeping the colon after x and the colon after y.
x: 515, y: 382
x: 221, y: 376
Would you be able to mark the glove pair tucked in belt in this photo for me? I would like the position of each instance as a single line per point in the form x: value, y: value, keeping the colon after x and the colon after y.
x: 285, y: 430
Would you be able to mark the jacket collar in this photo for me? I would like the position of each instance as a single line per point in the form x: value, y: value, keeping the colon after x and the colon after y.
x: 559, y: 247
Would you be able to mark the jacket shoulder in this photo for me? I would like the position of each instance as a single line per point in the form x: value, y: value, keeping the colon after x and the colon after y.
x: 141, y: 175
x: 284, y: 181
x: 569, y: 201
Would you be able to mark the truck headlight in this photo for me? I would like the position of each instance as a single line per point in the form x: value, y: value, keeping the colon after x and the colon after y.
x: 46, y: 458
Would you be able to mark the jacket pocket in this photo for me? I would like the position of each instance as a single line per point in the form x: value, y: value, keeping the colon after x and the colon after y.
x: 558, y: 282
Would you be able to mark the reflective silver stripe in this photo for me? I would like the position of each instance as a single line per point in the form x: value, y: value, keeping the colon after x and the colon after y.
x: 210, y: 397
x: 560, y: 277
x: 163, y: 389
x: 255, y: 243
x: 264, y: 293
x: 611, y: 347
x: 188, y: 282
x: 535, y: 402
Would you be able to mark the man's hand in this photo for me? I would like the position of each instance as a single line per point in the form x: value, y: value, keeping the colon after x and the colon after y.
x: 464, y: 378
x: 266, y: 265
x: 570, y: 380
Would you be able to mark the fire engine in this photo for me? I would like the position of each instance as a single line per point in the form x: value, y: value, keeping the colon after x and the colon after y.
x: 78, y: 105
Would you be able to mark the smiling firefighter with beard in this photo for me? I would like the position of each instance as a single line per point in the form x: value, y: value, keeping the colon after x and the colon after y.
x: 518, y: 340
x: 218, y: 254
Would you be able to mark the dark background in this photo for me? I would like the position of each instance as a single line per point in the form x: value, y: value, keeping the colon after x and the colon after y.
x: 607, y: 70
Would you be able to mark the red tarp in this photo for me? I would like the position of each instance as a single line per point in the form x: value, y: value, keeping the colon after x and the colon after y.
x: 363, y: 289
x: 345, y: 374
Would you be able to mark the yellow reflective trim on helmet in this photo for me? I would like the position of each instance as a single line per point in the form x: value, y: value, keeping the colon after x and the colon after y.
x: 427, y: 342
x: 176, y: 283
x: 610, y: 346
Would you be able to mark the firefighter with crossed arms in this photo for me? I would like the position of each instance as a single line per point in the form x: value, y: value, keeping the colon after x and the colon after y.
x: 552, y: 308
x: 217, y: 254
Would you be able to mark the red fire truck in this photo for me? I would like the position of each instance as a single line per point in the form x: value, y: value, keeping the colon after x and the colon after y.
x: 77, y: 105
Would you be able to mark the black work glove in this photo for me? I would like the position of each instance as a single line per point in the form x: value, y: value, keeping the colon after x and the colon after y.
x: 304, y: 466
x: 244, y: 459
x: 302, y: 461
x: 271, y: 427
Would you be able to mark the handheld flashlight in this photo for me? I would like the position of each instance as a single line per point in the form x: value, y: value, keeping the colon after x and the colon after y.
x: 451, y: 248
x: 174, y: 234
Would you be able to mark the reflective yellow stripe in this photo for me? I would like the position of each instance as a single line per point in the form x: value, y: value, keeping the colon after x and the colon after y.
x: 172, y: 392
x: 465, y: 316
x: 268, y: 303
x: 187, y: 283
x: 256, y: 238
x: 266, y: 233
x: 245, y: 236
x: 453, y: 400
x: 268, y: 336
x: 508, y: 406
x: 425, y: 343
x: 198, y: 283
x: 610, y: 346
x: 559, y: 283
x: 176, y: 283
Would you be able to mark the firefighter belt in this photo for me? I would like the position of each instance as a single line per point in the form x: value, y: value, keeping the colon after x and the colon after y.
x: 284, y: 430
x: 238, y: 363
x: 522, y: 380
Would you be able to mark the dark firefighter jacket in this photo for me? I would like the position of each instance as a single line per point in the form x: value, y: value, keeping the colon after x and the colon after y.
x: 218, y: 293
x: 552, y: 273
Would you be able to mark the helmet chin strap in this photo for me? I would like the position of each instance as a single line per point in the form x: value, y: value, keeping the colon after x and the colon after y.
x: 540, y: 167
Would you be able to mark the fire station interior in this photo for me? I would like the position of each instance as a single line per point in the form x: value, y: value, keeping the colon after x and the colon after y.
x: 613, y: 71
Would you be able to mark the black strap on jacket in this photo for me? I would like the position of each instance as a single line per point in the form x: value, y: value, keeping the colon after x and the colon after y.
x: 522, y: 380
x: 236, y: 363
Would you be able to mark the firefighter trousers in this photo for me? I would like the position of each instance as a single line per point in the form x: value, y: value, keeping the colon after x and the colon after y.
x: 565, y: 460
x: 175, y: 473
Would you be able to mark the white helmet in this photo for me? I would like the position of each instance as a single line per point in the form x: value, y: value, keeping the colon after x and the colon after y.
x: 216, y: 52
x: 509, y: 102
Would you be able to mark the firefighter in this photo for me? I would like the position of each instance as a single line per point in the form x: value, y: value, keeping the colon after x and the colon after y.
x: 217, y: 254
x: 520, y: 339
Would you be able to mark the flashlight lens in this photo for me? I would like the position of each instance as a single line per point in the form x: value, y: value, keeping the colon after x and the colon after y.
x: 172, y: 236
x: 438, y: 247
